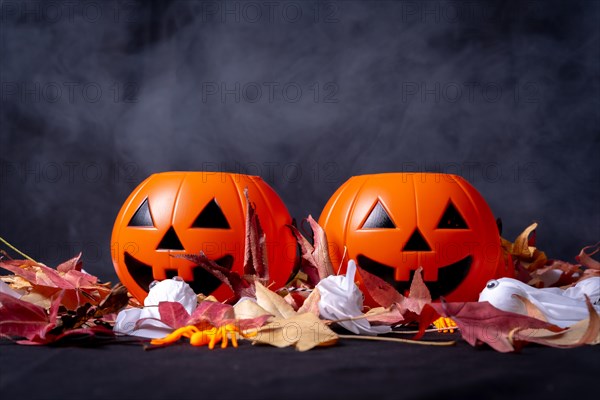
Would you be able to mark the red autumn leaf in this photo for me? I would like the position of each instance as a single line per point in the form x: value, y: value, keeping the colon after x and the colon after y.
x: 219, y: 314
x: 382, y: 316
x: 321, y: 249
x: 74, y: 264
x: 173, y: 314
x: 20, y: 318
x: 480, y: 322
x: 315, y: 262
x: 207, y: 314
x: 79, y: 287
x: 307, y: 264
x: 255, y: 258
x: 408, y: 308
x: 213, y: 313
x: 418, y: 295
x: 382, y: 292
x: 240, y: 286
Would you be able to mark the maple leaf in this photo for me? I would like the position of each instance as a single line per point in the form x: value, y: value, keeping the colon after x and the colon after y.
x: 207, y: 314
x: 380, y: 291
x: 315, y: 261
x: 302, y: 331
x: 255, y: 257
x: 480, y: 322
x: 273, y: 303
x: 45, y: 283
x: 20, y: 318
x: 287, y: 327
x: 586, y: 259
x: 240, y: 286
x: 581, y: 333
x: 311, y: 304
x: 385, y: 316
x: 116, y: 300
x: 387, y: 296
x: 74, y: 263
x: 173, y: 314
x: 23, y: 319
x: 525, y: 255
x: 418, y: 295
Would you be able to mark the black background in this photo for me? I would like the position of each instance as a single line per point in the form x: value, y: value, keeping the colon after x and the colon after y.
x: 98, y: 95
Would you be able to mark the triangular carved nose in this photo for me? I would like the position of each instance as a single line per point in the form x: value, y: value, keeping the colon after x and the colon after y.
x: 170, y: 241
x: 416, y: 242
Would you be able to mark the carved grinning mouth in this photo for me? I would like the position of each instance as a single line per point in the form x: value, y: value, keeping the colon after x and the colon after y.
x: 449, y: 276
x: 204, y: 282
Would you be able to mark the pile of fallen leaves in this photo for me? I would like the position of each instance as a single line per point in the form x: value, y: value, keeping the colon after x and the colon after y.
x: 54, y: 304
x: 43, y: 305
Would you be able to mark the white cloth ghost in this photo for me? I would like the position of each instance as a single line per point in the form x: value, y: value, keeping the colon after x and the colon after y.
x: 174, y: 290
x: 341, y: 298
x: 560, y: 307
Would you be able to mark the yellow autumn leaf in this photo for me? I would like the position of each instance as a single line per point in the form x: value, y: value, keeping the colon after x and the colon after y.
x: 247, y: 309
x: 303, y: 331
x: 272, y: 302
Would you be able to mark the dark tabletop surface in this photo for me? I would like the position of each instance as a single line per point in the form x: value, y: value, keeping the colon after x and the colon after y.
x: 350, y: 370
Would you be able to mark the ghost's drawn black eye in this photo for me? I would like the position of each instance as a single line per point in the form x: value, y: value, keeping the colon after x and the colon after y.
x: 142, y: 216
x: 492, y: 284
x: 378, y: 218
x: 451, y: 219
x: 211, y: 217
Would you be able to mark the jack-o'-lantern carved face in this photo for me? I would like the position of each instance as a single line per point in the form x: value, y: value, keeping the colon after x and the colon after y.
x: 176, y: 213
x: 393, y: 223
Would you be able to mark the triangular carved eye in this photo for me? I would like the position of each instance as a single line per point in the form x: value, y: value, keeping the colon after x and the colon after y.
x: 211, y: 217
x: 451, y: 219
x: 416, y: 242
x: 378, y: 218
x: 170, y: 241
x: 142, y: 216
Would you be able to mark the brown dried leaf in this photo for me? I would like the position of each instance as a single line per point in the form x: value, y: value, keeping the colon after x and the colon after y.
x: 586, y: 259
x: 521, y: 246
x: 116, y: 300
x: 524, y: 253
